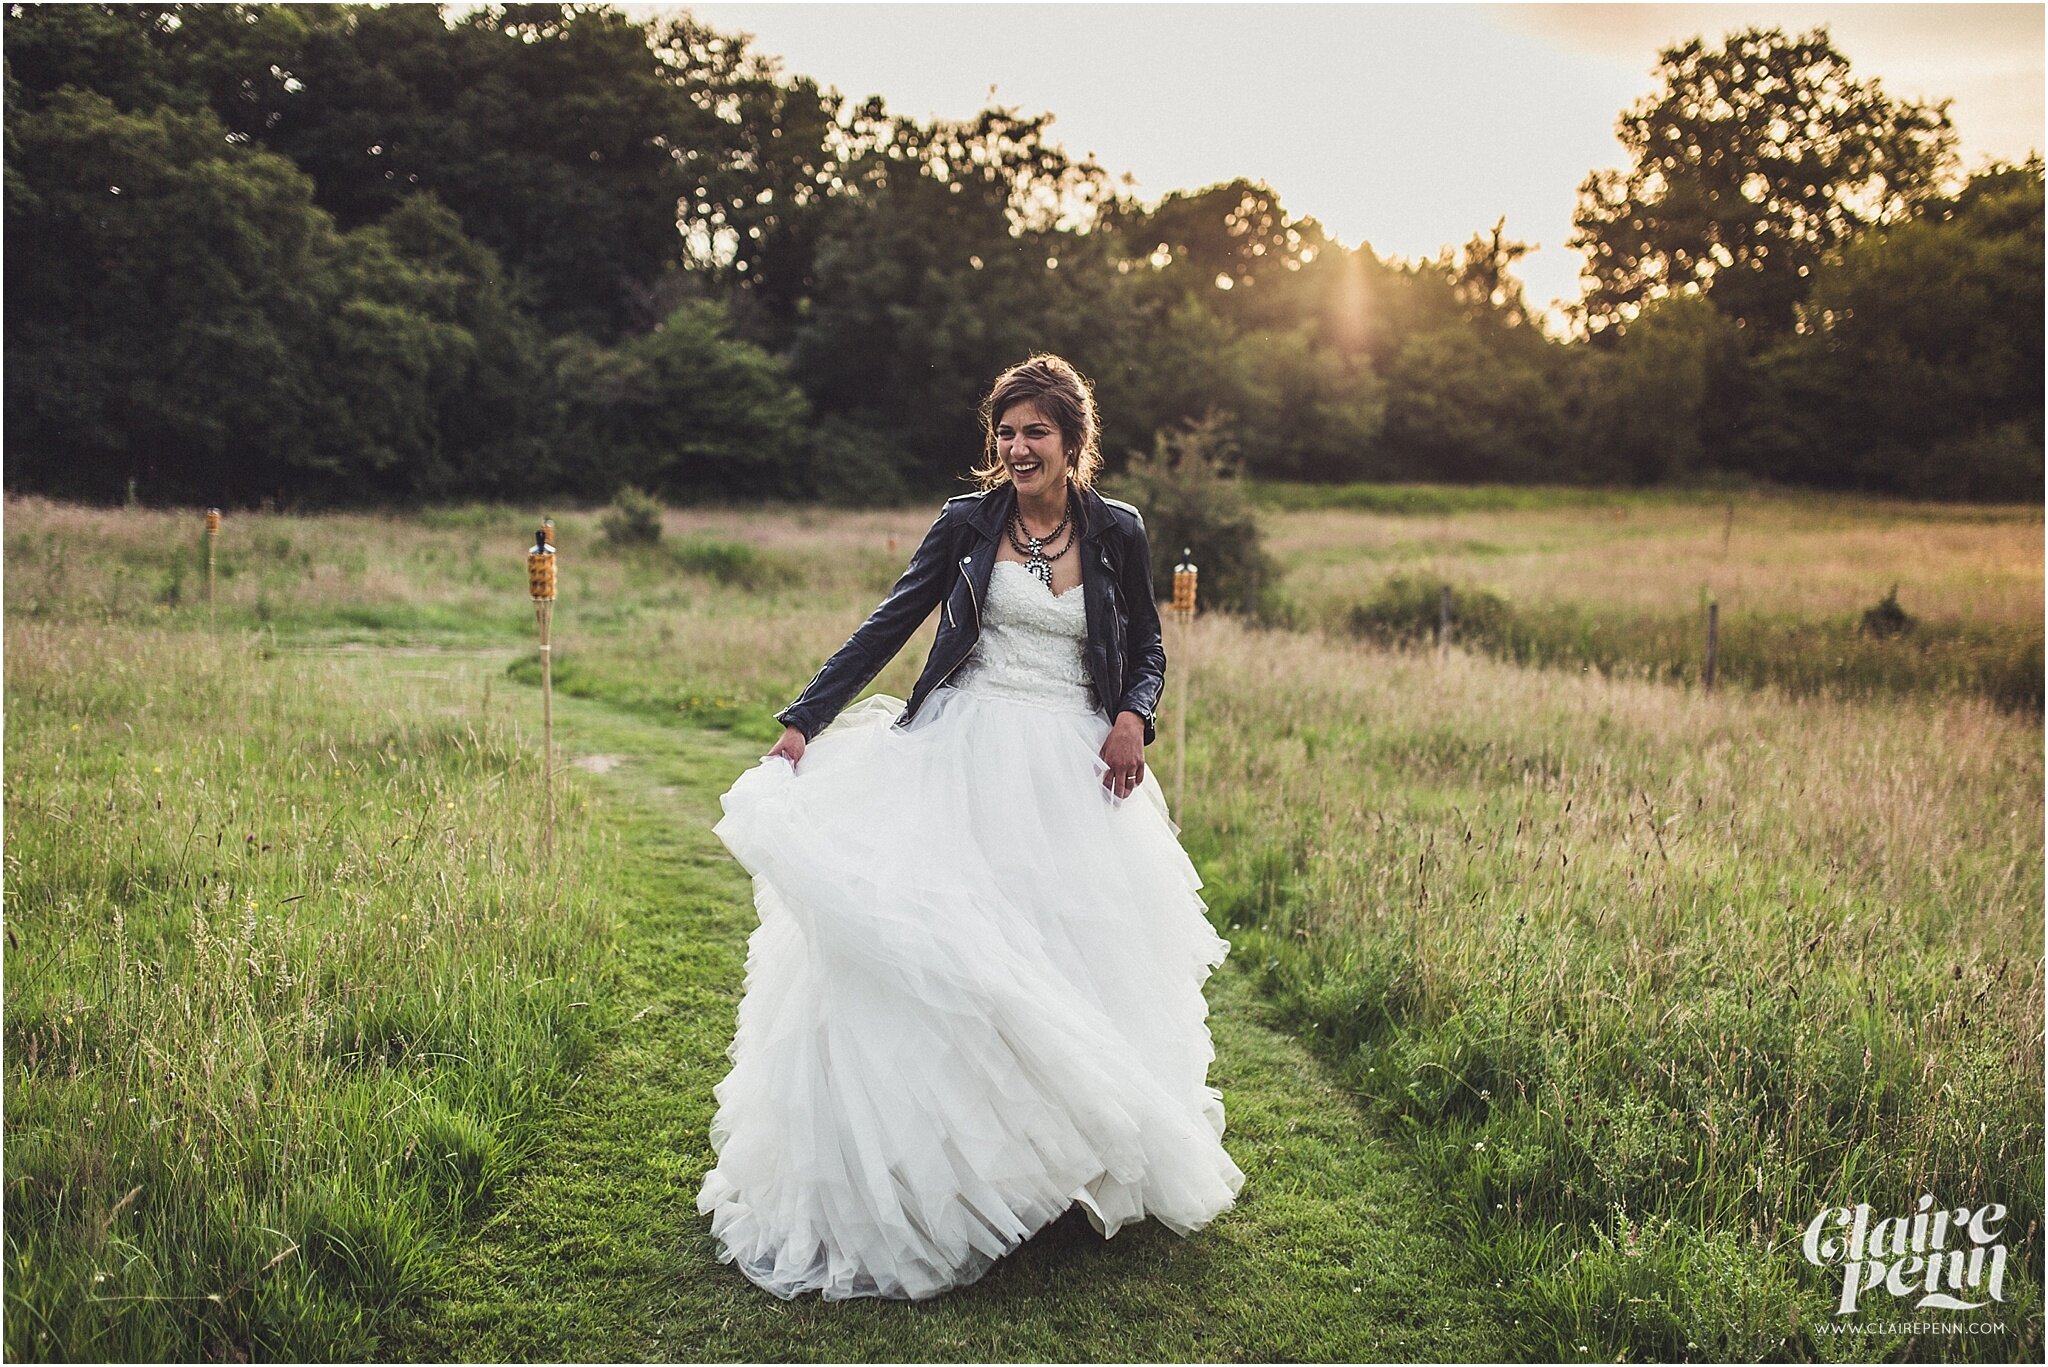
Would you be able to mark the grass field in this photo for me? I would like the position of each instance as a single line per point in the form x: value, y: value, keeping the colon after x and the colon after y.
x: 1561, y: 998
x: 1621, y: 583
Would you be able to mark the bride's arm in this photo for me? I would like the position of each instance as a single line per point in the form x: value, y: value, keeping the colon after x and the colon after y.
x: 854, y: 665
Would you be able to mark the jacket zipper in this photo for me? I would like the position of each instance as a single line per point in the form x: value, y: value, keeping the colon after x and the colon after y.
x: 977, y: 627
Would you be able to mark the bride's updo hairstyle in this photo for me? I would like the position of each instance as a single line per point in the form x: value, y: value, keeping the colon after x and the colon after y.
x: 1063, y: 395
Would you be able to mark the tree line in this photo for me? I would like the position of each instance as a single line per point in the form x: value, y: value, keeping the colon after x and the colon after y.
x: 345, y: 253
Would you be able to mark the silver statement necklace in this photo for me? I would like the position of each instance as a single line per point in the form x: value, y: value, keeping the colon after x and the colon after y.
x: 1033, y: 548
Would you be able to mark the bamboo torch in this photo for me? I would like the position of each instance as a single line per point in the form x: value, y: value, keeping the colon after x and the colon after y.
x: 212, y: 534
x: 1183, y: 608
x: 540, y: 582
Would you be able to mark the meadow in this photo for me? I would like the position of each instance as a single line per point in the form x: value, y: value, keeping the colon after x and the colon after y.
x: 1629, y: 979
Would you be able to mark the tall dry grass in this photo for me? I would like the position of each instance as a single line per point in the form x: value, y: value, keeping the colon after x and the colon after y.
x: 1646, y: 977
x: 289, y: 981
x: 1641, y: 977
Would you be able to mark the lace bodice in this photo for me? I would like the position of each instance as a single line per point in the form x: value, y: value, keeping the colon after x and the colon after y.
x: 1032, y: 645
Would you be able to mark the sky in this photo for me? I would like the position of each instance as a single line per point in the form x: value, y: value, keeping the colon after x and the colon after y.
x: 1407, y: 127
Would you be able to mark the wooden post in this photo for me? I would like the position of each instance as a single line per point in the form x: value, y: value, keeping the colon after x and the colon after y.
x: 540, y: 582
x: 1184, y: 575
x: 1443, y: 618
x: 1728, y: 527
x: 1713, y: 644
x: 212, y: 533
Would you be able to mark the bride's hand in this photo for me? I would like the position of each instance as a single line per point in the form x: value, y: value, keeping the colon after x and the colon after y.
x: 790, y: 747
x: 1124, y: 753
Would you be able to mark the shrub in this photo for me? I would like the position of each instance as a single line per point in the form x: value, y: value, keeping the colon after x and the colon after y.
x: 855, y: 467
x: 1408, y: 608
x: 1887, y: 618
x: 1194, y: 500
x: 732, y: 562
x: 634, y: 519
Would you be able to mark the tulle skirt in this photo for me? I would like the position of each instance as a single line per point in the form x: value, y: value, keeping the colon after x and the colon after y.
x: 974, y: 1000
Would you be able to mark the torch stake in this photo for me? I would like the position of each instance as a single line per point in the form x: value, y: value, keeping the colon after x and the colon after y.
x: 1180, y: 741
x: 1185, y: 576
x: 212, y: 534
x: 544, y: 612
x: 540, y: 580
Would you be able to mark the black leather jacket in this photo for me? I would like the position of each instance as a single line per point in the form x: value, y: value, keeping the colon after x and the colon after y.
x: 950, y: 571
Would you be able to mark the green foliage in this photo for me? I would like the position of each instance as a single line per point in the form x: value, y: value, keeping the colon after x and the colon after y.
x: 1193, y: 499
x: 1803, y: 657
x: 733, y: 562
x: 1922, y: 373
x: 283, y: 1023
x: 1887, y: 618
x: 327, y: 254
x: 634, y: 519
x: 1409, y: 608
x: 329, y: 366
x: 1433, y: 500
x: 682, y: 411
x: 1462, y: 408
x: 1653, y: 402
x: 550, y: 129
x: 853, y: 466
x: 1750, y: 164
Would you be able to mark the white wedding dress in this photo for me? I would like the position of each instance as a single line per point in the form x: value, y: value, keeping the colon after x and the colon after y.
x: 975, y: 995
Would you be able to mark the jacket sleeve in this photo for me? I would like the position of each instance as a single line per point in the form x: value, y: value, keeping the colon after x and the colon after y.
x: 1144, y: 650
x: 854, y: 665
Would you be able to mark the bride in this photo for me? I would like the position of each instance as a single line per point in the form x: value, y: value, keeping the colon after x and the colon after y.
x: 975, y: 996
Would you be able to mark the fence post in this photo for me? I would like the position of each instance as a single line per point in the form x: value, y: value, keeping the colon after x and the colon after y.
x: 1443, y: 618
x: 1713, y: 644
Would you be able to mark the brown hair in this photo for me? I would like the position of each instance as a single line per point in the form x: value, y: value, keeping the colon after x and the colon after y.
x: 1060, y: 392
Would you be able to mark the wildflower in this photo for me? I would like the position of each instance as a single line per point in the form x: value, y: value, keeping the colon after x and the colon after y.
x: 67, y: 1021
x: 1479, y: 1144
x: 74, y: 726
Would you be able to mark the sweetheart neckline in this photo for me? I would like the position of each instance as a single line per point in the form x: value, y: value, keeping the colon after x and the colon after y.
x: 1056, y: 594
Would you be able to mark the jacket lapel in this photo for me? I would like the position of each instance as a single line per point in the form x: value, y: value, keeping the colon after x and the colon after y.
x: 987, y: 521
x: 1095, y: 584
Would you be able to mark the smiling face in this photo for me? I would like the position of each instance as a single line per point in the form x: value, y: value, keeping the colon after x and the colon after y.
x: 1032, y: 448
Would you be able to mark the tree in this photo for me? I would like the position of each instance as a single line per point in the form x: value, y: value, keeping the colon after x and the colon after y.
x: 1923, y: 371
x: 181, y: 313
x: 1225, y: 237
x: 1460, y: 409
x: 683, y: 411
x: 1483, y: 278
x: 760, y: 157
x: 1655, y: 405
x: 551, y: 129
x: 949, y: 263
x: 1752, y: 163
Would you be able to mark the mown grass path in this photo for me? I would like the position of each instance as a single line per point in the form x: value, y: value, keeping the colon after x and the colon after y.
x: 596, y: 1251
